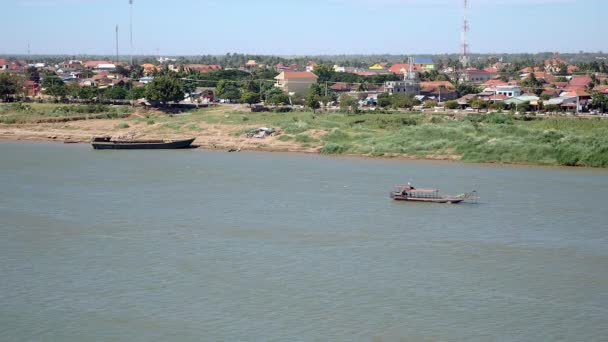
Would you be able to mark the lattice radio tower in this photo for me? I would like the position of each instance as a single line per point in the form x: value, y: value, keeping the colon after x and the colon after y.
x: 464, y: 49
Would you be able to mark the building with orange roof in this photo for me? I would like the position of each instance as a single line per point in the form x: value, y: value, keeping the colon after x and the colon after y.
x: 295, y: 81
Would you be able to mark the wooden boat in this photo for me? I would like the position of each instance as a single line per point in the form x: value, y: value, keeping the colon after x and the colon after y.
x: 409, y: 193
x: 106, y: 143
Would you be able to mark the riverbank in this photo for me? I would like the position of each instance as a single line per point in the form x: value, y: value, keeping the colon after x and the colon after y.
x: 489, y: 138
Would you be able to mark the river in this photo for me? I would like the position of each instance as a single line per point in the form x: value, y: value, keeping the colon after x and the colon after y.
x: 212, y: 246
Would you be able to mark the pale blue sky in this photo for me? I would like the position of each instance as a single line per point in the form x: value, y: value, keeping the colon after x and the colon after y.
x: 299, y: 27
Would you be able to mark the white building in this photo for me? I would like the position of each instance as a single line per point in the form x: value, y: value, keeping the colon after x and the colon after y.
x: 508, y: 90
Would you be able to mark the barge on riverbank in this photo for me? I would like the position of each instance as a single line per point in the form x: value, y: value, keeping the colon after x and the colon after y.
x: 409, y: 193
x: 106, y: 143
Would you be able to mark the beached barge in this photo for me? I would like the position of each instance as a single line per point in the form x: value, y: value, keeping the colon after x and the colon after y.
x: 106, y: 143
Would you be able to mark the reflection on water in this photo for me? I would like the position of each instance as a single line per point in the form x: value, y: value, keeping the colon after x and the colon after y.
x: 194, y: 245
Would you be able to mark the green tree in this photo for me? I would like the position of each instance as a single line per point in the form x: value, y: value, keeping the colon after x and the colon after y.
x: 32, y: 74
x: 277, y: 98
x: 532, y: 84
x: 451, y: 104
x: 120, y: 70
x: 136, y: 72
x: 250, y: 97
x: 465, y: 88
x: 384, y: 100
x: 116, y: 93
x: 430, y: 104
x: 228, y: 90
x: 499, y: 106
x: 325, y: 72
x: 165, y: 89
x: 479, y: 104
x: 403, y: 101
x: 136, y: 93
x: 9, y: 85
x: 348, y: 104
x: 312, y: 101
x: 599, y: 101
x: 51, y: 80
x: 84, y: 93
x: 59, y: 90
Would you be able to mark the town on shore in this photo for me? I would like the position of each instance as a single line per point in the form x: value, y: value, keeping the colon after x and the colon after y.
x: 532, y: 109
x: 553, y: 85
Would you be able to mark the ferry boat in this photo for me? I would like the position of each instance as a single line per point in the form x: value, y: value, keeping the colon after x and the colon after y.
x: 409, y: 193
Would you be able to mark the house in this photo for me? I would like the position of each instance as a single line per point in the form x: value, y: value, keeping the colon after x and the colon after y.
x: 492, y: 84
x: 294, y: 81
x: 424, y: 63
x: 565, y: 102
x: 550, y: 92
x: 555, y: 65
x: 146, y: 79
x: 95, y: 64
x: 148, y: 68
x: 311, y: 66
x: 407, y: 86
x: 579, y: 83
x: 4, y: 65
x: 376, y: 67
x: 476, y: 75
x: 341, y: 87
x: 583, y: 97
x: 603, y: 89
x: 518, y: 100
x: 31, y: 88
x: 508, y: 90
x: 204, y: 68
x: 251, y: 64
x: 440, y: 90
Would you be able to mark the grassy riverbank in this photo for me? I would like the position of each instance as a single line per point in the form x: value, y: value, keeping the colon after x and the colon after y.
x: 477, y: 138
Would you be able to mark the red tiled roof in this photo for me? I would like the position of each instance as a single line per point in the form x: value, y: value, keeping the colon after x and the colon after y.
x: 572, y: 68
x: 601, y: 88
x: 498, y: 97
x: 492, y: 69
x: 93, y: 64
x: 494, y: 83
x: 578, y: 93
x: 580, y: 81
x: 3, y: 61
x: 561, y: 84
x: 402, y: 68
x: 341, y: 86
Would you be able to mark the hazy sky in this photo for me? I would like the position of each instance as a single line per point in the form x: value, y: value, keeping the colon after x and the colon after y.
x: 299, y: 27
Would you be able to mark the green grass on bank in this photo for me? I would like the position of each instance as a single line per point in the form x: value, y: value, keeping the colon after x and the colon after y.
x: 476, y: 138
x: 22, y: 113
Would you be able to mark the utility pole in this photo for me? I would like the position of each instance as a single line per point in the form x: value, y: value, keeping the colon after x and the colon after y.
x: 116, y: 44
x: 131, y: 27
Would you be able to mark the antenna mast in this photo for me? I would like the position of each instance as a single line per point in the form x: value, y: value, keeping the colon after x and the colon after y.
x: 131, y: 28
x: 464, y: 53
x: 116, y: 44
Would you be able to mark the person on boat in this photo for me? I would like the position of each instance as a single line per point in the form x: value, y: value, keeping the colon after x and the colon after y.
x: 410, y: 186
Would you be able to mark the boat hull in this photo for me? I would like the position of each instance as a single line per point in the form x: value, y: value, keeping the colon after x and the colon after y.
x: 400, y: 197
x: 142, y: 145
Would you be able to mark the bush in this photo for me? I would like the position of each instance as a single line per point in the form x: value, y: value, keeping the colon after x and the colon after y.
x: 334, y: 148
x: 123, y: 125
x: 8, y: 120
x: 303, y: 138
x: 451, y: 104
